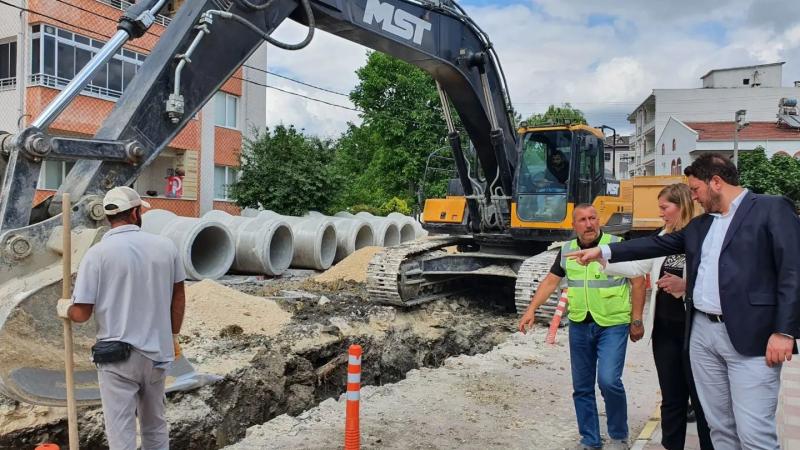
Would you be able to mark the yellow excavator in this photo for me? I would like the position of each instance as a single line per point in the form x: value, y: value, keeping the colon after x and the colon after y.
x: 501, y: 218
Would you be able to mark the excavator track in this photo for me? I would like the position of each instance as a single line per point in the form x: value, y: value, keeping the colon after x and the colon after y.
x: 531, y: 273
x: 396, y: 271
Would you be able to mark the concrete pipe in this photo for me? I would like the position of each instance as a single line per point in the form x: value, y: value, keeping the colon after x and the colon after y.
x: 205, y: 246
x: 351, y: 234
x: 314, y: 240
x: 386, y: 232
x: 408, y: 231
x: 262, y: 246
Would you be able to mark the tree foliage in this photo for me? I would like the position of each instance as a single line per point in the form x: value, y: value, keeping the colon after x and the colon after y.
x: 557, y: 115
x: 779, y: 175
x: 402, y: 123
x: 287, y: 172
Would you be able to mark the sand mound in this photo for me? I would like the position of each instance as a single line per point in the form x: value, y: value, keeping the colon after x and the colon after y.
x: 212, y: 307
x: 353, y: 268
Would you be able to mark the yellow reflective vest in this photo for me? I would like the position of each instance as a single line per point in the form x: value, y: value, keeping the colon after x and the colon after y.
x: 607, y: 298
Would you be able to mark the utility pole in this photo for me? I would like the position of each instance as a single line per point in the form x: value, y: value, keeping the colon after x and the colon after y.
x: 739, y: 123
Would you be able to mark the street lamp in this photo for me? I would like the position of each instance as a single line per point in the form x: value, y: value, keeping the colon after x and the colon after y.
x: 740, y: 123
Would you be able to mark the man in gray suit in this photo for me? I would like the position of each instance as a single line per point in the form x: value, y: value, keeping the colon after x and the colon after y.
x: 743, y: 286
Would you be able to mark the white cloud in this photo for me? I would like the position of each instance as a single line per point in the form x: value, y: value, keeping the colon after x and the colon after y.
x: 551, y: 55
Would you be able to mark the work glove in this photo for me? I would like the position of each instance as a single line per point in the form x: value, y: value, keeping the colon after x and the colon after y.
x: 176, y: 346
x: 62, y: 307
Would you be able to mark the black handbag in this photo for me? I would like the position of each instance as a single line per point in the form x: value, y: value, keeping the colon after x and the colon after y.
x: 110, y: 352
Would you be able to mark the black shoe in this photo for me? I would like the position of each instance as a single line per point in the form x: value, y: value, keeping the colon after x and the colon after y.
x: 690, y: 415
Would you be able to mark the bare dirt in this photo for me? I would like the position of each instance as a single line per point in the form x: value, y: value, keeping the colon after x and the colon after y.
x: 352, y: 268
x: 516, y: 396
x: 270, y: 370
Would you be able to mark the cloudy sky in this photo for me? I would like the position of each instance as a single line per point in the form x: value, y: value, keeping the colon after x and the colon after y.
x: 603, y: 56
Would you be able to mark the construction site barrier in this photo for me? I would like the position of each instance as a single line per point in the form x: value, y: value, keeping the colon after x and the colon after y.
x: 262, y: 246
x: 385, y: 231
x: 314, y: 239
x: 351, y: 234
x: 554, y: 324
x: 352, y: 432
x: 206, y: 247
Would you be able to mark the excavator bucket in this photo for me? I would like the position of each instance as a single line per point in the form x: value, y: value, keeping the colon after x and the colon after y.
x: 31, y: 338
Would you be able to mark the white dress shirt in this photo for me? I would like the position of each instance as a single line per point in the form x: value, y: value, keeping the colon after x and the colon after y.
x: 706, y: 286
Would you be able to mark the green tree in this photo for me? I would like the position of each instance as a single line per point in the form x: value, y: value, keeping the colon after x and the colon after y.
x: 402, y: 123
x: 286, y: 171
x: 557, y: 115
x: 779, y: 175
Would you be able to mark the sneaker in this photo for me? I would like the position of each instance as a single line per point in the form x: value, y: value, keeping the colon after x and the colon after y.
x: 691, y: 416
x: 582, y: 446
x: 617, y: 444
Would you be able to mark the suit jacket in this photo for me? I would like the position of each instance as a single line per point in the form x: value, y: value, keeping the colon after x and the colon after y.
x: 759, y: 268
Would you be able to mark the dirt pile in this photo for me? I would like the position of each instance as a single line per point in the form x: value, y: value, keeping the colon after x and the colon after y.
x: 212, y: 308
x: 352, y: 268
x: 302, y: 364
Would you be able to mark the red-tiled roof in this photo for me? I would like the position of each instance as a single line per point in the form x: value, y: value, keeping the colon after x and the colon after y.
x: 756, y: 131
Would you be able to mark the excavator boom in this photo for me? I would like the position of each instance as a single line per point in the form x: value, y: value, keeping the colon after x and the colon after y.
x: 206, y: 42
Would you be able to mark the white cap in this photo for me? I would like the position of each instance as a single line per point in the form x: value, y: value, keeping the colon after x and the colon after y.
x: 122, y: 198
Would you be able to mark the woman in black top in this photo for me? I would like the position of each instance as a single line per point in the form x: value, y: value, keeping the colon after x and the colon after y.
x: 666, y: 324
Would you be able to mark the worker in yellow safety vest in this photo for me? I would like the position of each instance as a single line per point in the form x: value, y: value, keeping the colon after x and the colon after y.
x: 603, y: 312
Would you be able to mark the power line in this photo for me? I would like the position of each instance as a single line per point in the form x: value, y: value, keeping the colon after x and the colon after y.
x: 297, y: 94
x: 304, y: 83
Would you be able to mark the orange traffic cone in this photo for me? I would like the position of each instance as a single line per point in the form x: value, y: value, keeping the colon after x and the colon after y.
x: 47, y: 447
x: 562, y: 306
x: 352, y: 434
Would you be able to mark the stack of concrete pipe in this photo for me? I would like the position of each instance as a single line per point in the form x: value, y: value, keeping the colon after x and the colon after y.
x: 351, y: 234
x: 410, y: 224
x: 385, y: 231
x: 263, y: 246
x: 314, y: 239
x: 206, y: 247
x: 404, y: 224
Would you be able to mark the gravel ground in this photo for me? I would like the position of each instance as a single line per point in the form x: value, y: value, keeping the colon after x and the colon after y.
x: 516, y: 396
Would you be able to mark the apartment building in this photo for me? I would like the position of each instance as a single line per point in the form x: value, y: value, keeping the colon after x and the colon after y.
x: 756, y: 89
x: 621, y: 154
x: 40, y: 52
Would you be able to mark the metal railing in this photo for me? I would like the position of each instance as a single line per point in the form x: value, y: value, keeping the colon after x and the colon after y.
x: 123, y: 5
x: 8, y: 84
x: 52, y: 81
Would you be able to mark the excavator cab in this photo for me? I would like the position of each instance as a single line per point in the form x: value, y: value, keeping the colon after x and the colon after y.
x: 559, y: 167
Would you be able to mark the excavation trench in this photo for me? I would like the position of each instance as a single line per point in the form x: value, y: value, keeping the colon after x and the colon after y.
x: 295, y: 369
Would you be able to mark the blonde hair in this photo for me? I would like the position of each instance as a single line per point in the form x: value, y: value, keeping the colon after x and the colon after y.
x: 679, y: 194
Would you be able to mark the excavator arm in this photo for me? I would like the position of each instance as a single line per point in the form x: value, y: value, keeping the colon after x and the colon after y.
x: 202, y: 47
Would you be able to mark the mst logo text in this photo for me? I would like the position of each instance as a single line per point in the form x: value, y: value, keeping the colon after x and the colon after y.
x: 396, y: 21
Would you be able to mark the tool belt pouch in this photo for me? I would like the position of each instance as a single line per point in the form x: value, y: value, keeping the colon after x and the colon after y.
x: 110, y: 352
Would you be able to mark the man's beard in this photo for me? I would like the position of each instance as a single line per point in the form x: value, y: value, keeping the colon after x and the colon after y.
x: 714, y: 203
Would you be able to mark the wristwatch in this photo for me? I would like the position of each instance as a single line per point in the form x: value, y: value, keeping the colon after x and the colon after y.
x: 636, y: 323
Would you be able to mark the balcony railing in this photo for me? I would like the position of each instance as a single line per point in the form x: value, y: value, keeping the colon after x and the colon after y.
x: 41, y: 79
x: 8, y: 84
x: 123, y: 5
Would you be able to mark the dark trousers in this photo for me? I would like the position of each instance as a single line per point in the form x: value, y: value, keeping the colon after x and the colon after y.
x: 677, y: 386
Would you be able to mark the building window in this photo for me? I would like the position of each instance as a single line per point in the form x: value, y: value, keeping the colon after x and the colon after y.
x: 57, y: 55
x: 53, y: 173
x: 607, y: 156
x: 678, y: 167
x: 674, y: 145
x: 745, y: 81
x: 8, y: 65
x: 225, y: 110
x: 663, y: 148
x: 224, y: 177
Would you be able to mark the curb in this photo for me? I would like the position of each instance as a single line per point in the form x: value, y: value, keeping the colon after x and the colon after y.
x: 648, y: 430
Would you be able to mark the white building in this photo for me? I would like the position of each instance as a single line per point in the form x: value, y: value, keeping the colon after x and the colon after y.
x: 622, y: 155
x: 684, y: 141
x: 756, y: 89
